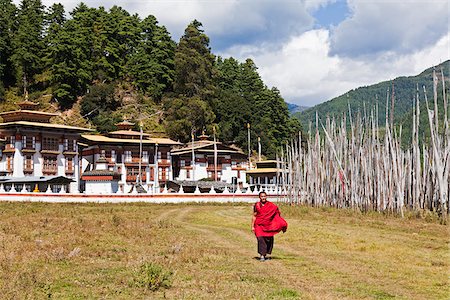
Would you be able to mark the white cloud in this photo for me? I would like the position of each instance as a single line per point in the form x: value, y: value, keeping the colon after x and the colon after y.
x: 306, y: 73
x: 380, y: 40
x: 313, y: 5
x: 378, y: 26
x: 227, y: 21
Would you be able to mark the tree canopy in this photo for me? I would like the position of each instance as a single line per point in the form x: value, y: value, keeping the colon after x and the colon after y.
x: 97, y: 58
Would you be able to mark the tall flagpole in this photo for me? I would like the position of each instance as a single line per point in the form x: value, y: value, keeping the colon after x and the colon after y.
x: 215, y: 154
x: 259, y: 148
x: 140, y: 155
x: 249, y: 153
x: 193, y: 157
x: 156, y: 168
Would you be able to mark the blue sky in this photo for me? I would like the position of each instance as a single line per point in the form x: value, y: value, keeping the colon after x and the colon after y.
x: 311, y: 50
x: 331, y: 14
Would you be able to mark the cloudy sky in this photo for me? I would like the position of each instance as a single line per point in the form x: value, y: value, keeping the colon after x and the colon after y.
x: 312, y: 50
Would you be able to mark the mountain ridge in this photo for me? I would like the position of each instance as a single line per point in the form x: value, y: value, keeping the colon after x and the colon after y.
x: 366, y: 97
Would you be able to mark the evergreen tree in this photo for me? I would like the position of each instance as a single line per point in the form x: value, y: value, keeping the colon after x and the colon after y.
x: 233, y: 111
x: 151, y: 66
x: 194, y: 85
x: 70, y: 53
x: 194, y: 63
x: 244, y: 99
x: 114, y: 38
x: 183, y: 116
x: 54, y: 20
x: 28, y: 41
x: 7, y: 28
x: 98, y: 106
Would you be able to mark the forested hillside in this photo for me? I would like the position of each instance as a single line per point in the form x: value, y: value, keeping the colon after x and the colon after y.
x: 97, y: 66
x: 402, y: 89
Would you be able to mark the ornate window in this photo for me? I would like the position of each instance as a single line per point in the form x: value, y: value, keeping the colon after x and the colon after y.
x: 50, y: 143
x: 28, y: 164
x: 50, y: 164
x: 128, y: 156
x: 70, y: 145
x: 70, y: 166
x: 28, y: 142
x: 10, y: 163
x: 145, y: 156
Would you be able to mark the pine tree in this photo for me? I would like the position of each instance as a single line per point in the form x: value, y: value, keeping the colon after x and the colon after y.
x: 70, y: 53
x: 28, y: 42
x: 194, y: 63
x: 151, y: 66
x: 7, y: 28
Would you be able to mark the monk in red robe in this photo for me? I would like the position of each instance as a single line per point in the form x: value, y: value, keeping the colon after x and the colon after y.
x: 266, y: 222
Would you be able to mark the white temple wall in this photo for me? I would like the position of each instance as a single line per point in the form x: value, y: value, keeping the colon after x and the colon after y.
x: 101, y: 187
x: 18, y: 160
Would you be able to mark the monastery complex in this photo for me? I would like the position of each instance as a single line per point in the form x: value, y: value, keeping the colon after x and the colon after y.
x: 39, y: 156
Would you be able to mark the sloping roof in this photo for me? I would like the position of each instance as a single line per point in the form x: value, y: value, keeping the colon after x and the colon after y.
x: 164, y: 141
x: 195, y: 145
x: 202, y: 145
x: 127, y: 132
x: 107, y: 139
x: 147, y: 141
x: 100, y: 173
x: 223, y: 151
x: 262, y: 171
x: 33, y: 112
x: 268, y: 161
x: 37, y: 179
x: 44, y: 125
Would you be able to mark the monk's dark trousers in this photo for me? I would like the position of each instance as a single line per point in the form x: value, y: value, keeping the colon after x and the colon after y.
x: 265, y: 245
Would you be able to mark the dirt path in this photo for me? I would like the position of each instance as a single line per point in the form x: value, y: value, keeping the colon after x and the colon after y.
x: 243, y: 244
x: 307, y: 268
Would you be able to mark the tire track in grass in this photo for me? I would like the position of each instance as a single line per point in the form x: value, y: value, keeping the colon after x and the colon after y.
x: 219, y: 235
x: 324, y: 273
x: 308, y: 258
x: 165, y: 215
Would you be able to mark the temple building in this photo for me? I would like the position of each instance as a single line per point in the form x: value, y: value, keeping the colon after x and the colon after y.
x: 137, y: 157
x: 231, y: 162
x: 35, y: 148
x: 268, y: 174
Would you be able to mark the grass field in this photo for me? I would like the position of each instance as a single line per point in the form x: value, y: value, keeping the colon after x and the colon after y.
x: 144, y: 251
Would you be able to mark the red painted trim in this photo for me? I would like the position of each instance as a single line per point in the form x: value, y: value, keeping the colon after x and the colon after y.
x: 174, y: 195
x: 97, y: 178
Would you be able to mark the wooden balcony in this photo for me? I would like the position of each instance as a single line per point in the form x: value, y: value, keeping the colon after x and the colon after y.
x: 69, y: 153
x: 211, y: 168
x: 50, y: 151
x: 135, y: 160
x: 163, y: 163
x: 238, y: 168
x: 133, y: 178
x: 9, y: 148
x: 28, y: 170
x: 49, y: 171
x: 28, y: 150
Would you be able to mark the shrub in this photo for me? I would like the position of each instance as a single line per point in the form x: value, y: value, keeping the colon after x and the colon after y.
x: 152, y: 277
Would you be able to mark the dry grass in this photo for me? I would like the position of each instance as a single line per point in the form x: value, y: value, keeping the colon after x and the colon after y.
x: 98, y: 251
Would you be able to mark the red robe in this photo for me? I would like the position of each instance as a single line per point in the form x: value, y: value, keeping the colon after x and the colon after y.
x: 268, y: 221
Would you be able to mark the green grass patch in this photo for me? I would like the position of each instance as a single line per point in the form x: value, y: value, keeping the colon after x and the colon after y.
x: 203, y: 251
